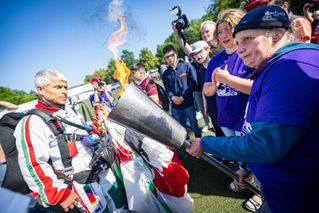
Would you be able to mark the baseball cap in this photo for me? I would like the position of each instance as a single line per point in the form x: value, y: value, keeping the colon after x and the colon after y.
x: 198, y: 46
x: 251, y: 4
x: 95, y: 79
x: 264, y: 17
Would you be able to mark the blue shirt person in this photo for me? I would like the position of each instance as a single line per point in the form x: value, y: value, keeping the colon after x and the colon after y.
x: 180, y: 81
x: 101, y: 93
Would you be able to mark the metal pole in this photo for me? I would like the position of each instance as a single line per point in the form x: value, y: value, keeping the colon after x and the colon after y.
x: 211, y: 160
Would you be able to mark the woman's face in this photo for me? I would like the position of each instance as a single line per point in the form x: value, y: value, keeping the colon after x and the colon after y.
x: 254, y: 46
x: 225, y: 37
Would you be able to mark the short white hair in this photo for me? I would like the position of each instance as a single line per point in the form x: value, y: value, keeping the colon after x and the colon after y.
x: 45, y: 76
x: 207, y: 22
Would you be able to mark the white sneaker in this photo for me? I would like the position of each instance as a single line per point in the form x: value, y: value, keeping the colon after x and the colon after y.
x: 198, y: 115
x: 205, y: 129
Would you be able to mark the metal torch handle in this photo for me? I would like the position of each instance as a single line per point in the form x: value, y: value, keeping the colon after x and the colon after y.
x: 224, y: 169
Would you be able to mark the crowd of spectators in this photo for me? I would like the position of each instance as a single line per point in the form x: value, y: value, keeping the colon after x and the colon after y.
x: 253, y: 77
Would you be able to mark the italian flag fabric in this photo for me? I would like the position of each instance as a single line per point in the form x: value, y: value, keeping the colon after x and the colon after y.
x: 153, y: 177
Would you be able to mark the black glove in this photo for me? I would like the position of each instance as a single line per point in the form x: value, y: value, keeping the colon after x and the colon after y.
x: 104, y: 155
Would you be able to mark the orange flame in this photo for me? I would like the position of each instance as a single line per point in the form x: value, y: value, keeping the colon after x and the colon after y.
x: 117, y: 38
x: 121, y: 74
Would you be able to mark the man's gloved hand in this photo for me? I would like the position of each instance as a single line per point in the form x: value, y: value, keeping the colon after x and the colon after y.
x: 103, y: 155
x: 90, y: 140
x: 88, y: 127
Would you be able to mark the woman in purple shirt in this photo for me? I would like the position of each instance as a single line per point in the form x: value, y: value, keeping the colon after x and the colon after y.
x: 226, y: 77
x: 231, y: 102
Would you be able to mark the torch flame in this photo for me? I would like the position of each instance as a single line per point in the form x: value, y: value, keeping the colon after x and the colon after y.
x: 117, y: 38
x: 121, y: 74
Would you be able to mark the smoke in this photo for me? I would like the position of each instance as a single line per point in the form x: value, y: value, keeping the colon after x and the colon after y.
x: 115, y: 11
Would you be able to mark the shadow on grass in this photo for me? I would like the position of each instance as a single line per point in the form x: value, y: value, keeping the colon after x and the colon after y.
x: 205, y: 180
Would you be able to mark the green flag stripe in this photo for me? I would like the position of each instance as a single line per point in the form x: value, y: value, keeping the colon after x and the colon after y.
x: 28, y: 162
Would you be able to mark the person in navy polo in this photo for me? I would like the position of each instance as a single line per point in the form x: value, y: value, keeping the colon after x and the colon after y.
x: 180, y: 81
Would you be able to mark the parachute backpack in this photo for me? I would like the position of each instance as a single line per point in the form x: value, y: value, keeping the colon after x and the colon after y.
x: 13, y: 178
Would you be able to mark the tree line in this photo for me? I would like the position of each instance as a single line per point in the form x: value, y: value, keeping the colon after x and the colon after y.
x: 192, y: 34
x: 16, y: 96
x: 150, y: 61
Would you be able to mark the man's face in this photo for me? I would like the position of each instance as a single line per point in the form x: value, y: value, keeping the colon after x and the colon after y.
x: 55, y: 92
x: 207, y: 33
x: 171, y: 58
x: 254, y: 46
x: 225, y: 37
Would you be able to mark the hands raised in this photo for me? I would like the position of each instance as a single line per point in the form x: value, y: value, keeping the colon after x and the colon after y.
x: 175, y: 30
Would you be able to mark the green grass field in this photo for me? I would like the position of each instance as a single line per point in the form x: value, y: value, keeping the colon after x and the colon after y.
x: 208, y: 186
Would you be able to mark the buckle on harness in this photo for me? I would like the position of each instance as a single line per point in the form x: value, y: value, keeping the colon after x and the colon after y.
x: 68, y: 171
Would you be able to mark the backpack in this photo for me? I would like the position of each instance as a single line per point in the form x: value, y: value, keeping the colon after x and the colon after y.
x: 161, y: 94
x: 13, y: 178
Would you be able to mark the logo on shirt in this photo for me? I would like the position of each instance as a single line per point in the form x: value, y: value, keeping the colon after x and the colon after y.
x: 184, y: 74
x: 246, y: 126
x: 273, y: 15
x: 225, y: 90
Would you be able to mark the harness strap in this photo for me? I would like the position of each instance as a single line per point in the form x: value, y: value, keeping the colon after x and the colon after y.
x: 71, y: 137
x: 86, y: 112
x: 58, y: 130
x: 148, y: 86
x: 69, y: 122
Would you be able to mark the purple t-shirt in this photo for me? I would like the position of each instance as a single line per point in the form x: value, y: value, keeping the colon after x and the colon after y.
x: 287, y: 92
x: 230, y: 102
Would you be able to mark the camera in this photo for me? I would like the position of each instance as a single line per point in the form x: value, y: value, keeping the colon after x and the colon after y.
x: 100, y: 83
x: 181, y: 22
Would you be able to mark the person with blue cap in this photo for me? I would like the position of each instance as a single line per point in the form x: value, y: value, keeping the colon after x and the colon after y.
x: 281, y: 127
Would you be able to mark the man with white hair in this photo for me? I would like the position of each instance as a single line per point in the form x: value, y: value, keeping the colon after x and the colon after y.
x: 56, y: 170
x: 207, y: 29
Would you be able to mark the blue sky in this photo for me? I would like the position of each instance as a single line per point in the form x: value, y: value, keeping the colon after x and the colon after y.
x: 70, y: 35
